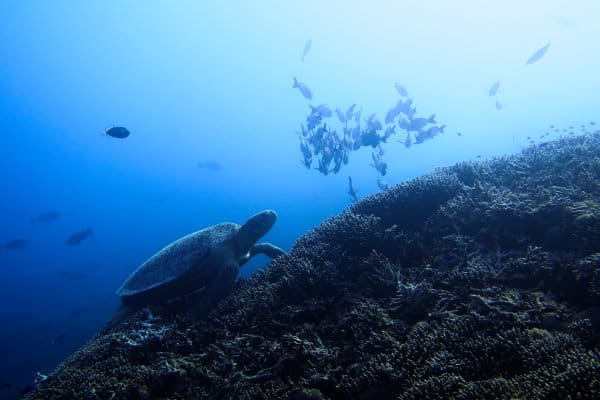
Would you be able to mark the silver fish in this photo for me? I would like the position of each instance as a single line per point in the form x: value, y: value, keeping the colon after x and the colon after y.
x: 498, y: 105
x: 305, y: 90
x: 539, y: 53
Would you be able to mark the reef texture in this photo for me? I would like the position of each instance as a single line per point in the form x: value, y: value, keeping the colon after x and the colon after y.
x: 477, y: 281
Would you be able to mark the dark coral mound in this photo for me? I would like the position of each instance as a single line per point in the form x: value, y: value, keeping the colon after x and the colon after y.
x: 477, y: 281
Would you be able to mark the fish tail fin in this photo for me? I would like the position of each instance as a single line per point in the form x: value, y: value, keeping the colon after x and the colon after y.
x: 442, y: 128
x: 432, y: 118
x: 295, y: 83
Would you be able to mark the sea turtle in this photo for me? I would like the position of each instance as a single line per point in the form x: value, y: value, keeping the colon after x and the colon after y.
x: 209, y: 258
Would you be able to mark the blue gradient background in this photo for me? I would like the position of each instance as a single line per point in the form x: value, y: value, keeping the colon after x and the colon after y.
x: 197, y: 81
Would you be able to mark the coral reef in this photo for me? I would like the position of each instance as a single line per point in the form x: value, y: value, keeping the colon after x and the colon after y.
x: 477, y: 281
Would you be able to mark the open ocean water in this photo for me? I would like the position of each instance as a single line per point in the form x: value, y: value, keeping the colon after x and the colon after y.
x: 125, y: 126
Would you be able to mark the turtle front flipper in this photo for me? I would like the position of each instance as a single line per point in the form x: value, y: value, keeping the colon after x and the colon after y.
x: 267, y: 249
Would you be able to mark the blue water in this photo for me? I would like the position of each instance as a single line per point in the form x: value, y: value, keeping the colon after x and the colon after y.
x: 206, y: 81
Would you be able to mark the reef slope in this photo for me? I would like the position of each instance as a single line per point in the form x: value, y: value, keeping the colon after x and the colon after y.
x: 480, y: 280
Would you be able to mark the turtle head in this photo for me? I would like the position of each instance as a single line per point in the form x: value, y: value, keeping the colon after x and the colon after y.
x: 253, y: 229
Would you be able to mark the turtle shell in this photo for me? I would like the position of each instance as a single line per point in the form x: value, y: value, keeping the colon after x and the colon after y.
x: 191, y: 252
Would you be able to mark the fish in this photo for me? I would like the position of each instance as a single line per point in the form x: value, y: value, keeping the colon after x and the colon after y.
x: 351, y: 191
x: 403, y: 123
x: 428, y: 134
x: 312, y: 121
x: 78, y: 237
x: 322, y: 109
x: 6, y: 385
x: 401, y: 89
x: 494, y: 89
x: 118, y: 132
x: 210, y: 165
x: 418, y: 123
x: 350, y: 111
x: 340, y: 114
x: 303, y: 88
x: 539, y: 53
x: 407, y: 141
x: 14, y: 244
x: 49, y: 216
x: 307, y: 46
x: 406, y: 108
x: 459, y: 134
x: 393, y: 113
x: 389, y: 131
x: 373, y: 123
x: 382, y: 184
x: 498, y: 105
x: 592, y: 123
x: 369, y: 138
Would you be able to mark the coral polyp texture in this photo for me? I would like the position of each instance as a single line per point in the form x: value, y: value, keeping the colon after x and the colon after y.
x: 476, y: 281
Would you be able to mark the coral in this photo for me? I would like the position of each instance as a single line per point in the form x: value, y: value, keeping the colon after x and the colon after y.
x: 477, y: 281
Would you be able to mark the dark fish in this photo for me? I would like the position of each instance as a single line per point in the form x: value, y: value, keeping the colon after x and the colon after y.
x: 49, y: 216
x: 6, y: 385
x: 210, y: 165
x: 592, y: 123
x: 539, y: 53
x: 14, y: 244
x: 459, y: 134
x: 78, y: 237
x: 118, y: 132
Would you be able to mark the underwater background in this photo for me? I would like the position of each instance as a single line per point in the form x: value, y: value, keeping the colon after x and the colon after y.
x: 206, y: 91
